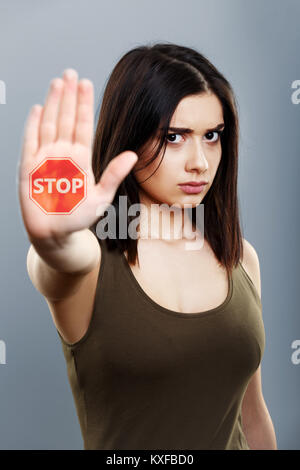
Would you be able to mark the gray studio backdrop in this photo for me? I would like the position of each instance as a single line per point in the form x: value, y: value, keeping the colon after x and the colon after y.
x: 256, y: 45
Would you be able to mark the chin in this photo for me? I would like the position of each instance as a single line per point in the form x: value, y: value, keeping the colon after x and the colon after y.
x: 185, y: 204
x: 192, y: 199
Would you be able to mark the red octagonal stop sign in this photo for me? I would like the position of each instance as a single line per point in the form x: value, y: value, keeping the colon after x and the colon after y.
x: 57, y: 185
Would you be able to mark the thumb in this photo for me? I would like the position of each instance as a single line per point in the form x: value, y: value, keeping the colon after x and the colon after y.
x: 117, y: 169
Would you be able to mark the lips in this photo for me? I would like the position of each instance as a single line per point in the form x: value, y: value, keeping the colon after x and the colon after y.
x: 193, y: 183
x: 192, y: 187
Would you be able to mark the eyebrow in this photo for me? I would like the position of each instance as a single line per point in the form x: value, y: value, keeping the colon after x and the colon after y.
x: 186, y: 130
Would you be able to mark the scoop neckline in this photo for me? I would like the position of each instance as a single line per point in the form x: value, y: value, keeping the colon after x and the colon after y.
x: 143, y: 295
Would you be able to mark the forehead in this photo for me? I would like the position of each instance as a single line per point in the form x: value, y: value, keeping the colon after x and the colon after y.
x: 198, y: 111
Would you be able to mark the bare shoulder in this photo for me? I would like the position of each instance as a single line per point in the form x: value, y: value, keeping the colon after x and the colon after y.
x: 250, y: 262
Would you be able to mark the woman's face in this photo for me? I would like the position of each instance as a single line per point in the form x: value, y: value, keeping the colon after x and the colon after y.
x: 189, y: 156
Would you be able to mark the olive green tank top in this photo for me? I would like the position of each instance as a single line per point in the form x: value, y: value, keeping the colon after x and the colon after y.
x: 146, y: 377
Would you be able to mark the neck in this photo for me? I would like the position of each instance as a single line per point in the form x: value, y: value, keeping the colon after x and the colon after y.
x: 160, y: 221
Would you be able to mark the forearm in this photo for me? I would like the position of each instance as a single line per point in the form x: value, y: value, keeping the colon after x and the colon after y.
x: 76, y: 253
x: 260, y: 434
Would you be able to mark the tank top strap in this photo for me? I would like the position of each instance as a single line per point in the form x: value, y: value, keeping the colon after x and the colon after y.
x: 112, y: 261
x: 243, y: 278
x: 102, y: 242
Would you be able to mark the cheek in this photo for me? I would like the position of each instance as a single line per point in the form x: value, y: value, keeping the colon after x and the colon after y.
x: 158, y: 183
x: 159, y: 173
x: 213, y: 158
x: 162, y: 183
x: 166, y: 176
x: 215, y: 161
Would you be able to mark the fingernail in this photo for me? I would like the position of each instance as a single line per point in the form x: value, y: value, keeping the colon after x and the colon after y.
x: 56, y: 83
x: 70, y: 74
x: 85, y: 83
x: 36, y: 109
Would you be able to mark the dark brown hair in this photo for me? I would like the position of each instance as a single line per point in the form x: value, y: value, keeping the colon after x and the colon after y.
x: 141, y: 96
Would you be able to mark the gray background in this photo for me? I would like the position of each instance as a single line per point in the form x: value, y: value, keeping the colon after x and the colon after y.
x: 256, y: 45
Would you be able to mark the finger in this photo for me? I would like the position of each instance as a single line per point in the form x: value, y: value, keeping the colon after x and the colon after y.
x: 115, y: 172
x: 84, y: 126
x: 67, y: 111
x: 31, y: 132
x: 48, y: 127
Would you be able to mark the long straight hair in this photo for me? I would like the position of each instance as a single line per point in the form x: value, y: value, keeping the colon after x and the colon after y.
x: 140, y: 97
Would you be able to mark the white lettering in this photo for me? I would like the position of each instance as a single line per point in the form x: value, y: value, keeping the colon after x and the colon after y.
x: 296, y: 95
x: 2, y: 92
x: 75, y: 184
x: 2, y: 352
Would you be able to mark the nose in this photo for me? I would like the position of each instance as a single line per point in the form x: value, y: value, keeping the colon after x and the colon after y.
x: 196, y: 159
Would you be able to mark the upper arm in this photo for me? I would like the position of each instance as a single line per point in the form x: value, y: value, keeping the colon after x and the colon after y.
x: 253, y: 405
x: 70, y: 297
x: 72, y: 315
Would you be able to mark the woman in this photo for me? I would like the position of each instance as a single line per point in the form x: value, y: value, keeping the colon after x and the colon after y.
x: 163, y: 343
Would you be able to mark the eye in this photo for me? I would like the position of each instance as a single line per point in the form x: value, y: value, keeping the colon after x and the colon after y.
x: 172, y: 141
x: 217, y: 136
x: 171, y: 138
